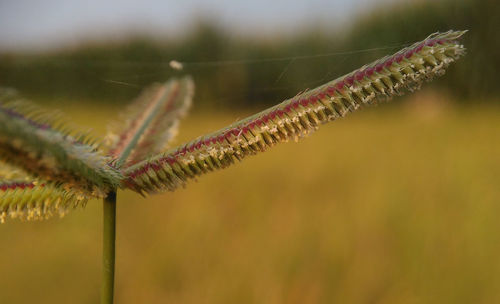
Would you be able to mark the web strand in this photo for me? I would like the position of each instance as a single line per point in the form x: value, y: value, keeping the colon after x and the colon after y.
x: 190, y: 66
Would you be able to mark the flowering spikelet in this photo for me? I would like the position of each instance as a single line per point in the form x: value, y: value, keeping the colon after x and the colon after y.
x: 298, y: 116
x: 153, y: 121
x: 26, y: 198
x: 36, y: 201
x: 48, y: 149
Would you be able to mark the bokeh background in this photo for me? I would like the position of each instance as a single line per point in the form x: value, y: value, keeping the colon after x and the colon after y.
x: 395, y: 204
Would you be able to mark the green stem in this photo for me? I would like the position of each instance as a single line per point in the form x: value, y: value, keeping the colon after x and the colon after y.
x: 108, y: 248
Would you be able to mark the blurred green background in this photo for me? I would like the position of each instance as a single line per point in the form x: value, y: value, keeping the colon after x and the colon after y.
x: 92, y: 71
x: 395, y: 204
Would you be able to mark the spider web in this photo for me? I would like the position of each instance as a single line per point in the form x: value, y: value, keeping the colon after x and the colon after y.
x: 289, y: 66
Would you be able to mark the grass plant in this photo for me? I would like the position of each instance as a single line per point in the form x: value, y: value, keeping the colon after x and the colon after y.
x: 49, y: 168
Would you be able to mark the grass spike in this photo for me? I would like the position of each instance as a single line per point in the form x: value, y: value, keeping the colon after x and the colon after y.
x: 297, y: 117
x: 30, y: 139
x: 27, y: 198
x: 152, y: 122
x: 36, y: 201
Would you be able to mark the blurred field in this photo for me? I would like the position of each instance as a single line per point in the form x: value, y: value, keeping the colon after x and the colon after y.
x: 395, y: 204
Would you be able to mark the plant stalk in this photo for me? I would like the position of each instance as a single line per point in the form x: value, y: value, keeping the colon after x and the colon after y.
x: 108, y: 248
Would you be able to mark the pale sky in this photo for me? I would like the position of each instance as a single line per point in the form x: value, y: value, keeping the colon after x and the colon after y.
x: 42, y: 24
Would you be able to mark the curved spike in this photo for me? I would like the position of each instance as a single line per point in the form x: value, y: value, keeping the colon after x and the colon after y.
x: 299, y: 115
x: 30, y: 140
x: 152, y: 122
x: 34, y: 201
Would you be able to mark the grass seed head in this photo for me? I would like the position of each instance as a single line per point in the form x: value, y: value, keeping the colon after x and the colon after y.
x: 297, y: 117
